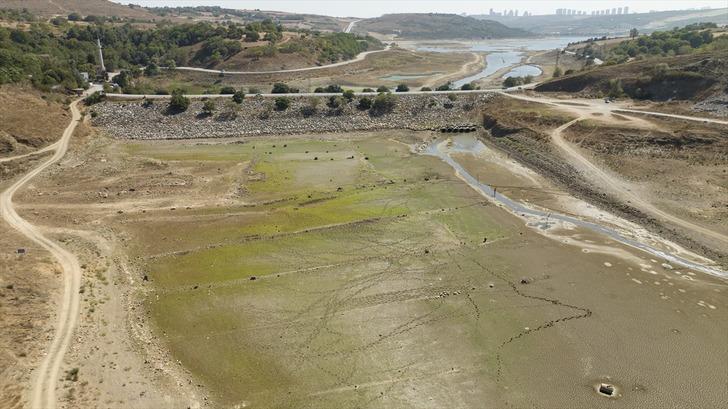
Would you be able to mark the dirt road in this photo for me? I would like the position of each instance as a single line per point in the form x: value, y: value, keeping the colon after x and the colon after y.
x: 620, y: 188
x: 43, y: 393
x: 359, y: 57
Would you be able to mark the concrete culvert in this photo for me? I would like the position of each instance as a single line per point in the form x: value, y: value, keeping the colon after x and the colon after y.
x: 607, y: 390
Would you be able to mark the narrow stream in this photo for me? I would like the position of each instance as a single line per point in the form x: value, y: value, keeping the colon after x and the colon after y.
x: 436, y: 149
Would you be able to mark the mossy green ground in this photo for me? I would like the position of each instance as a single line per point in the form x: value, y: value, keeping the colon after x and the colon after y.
x: 372, y: 287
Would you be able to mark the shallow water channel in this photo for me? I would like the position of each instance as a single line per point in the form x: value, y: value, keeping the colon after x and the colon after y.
x: 544, y: 219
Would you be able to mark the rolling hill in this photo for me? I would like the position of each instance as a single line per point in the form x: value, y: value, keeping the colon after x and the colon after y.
x: 49, y: 8
x: 610, y: 25
x: 437, y: 26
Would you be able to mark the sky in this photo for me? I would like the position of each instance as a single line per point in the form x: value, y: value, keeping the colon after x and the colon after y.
x: 374, y: 8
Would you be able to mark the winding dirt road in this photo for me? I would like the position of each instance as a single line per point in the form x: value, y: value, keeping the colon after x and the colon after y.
x: 622, y: 188
x: 359, y: 57
x: 43, y: 393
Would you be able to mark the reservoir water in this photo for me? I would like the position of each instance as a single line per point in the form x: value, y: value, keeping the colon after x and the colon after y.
x: 504, y: 53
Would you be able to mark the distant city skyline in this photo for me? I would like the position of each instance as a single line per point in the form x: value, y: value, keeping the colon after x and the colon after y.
x: 374, y: 8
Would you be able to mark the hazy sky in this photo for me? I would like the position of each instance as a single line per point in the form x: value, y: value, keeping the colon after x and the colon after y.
x: 372, y: 8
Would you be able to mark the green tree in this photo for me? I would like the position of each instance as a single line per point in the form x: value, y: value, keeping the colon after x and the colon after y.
x: 633, y: 33
x: 364, y: 103
x: 178, y: 102
x: 384, y: 103
x: 402, y: 88
x: 238, y: 97
x: 557, y: 72
x: 282, y: 103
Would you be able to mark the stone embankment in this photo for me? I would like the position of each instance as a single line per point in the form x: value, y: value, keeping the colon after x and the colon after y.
x: 259, y: 116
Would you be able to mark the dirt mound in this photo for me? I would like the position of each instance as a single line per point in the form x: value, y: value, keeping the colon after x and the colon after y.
x: 28, y: 121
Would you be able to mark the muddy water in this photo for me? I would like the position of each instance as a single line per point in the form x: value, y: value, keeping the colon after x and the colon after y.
x: 540, y: 219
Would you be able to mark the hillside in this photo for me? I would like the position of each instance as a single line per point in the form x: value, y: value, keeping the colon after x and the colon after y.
x: 437, y: 26
x: 693, y: 77
x: 49, y: 8
x: 610, y: 25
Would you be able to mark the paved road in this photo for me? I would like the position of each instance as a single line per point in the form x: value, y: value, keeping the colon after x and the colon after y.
x: 43, y: 393
x: 359, y: 57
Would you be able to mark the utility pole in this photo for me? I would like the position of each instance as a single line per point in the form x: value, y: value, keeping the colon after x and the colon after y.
x: 102, y: 66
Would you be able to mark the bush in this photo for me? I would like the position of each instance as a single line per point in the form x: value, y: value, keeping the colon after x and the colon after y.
x: 319, y: 90
x: 227, y: 90
x: 348, y: 94
x: 452, y: 97
x: 402, y: 88
x: 334, y: 89
x: 151, y: 70
x: 468, y: 87
x: 238, y: 96
x: 367, y: 90
x: 382, y: 88
x: 445, y: 87
x: 178, y: 102
x: 282, y: 103
x: 364, y: 103
x: 426, y: 89
x: 281, y: 88
x: 311, y: 108
x: 94, y: 98
x: 384, y: 103
x: 208, y: 107
x: 334, y: 102
x: 557, y: 72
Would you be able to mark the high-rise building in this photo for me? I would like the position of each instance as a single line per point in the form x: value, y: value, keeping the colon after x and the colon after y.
x: 619, y: 10
x: 626, y: 10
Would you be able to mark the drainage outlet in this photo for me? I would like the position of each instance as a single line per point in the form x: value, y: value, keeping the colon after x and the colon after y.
x: 607, y: 390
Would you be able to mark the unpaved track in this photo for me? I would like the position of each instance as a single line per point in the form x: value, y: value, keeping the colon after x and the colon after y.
x: 43, y: 392
x: 359, y: 57
x: 621, y: 188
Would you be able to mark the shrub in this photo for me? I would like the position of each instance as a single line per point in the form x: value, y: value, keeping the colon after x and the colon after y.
x: 382, y: 88
x: 282, y: 103
x: 426, y: 89
x: 94, y: 98
x: 367, y: 90
x: 281, y: 88
x: 557, y: 72
x: 348, y: 94
x: 383, y: 103
x: 364, y: 103
x: 468, y: 87
x: 402, y: 88
x: 178, y: 102
x: 311, y: 107
x: 238, y: 96
x: 208, y: 107
x: 319, y: 90
x: 334, y: 102
x: 227, y: 90
x: 452, y: 97
x: 334, y: 89
x: 445, y: 87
